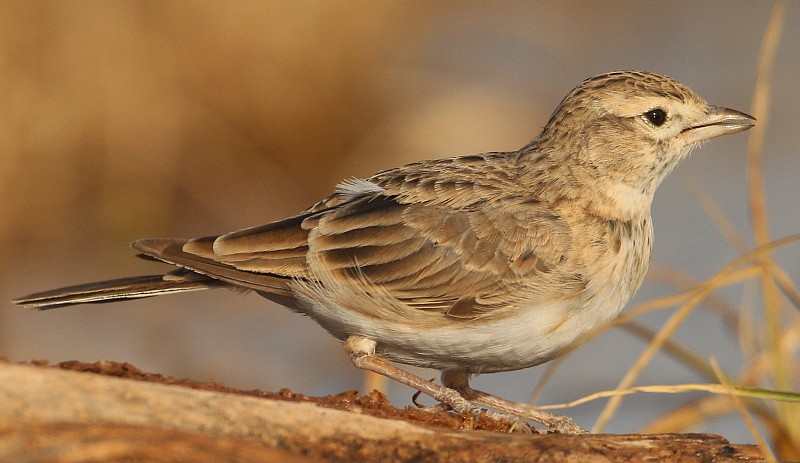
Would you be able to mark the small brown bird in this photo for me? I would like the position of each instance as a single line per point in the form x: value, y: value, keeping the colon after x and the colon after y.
x: 473, y: 264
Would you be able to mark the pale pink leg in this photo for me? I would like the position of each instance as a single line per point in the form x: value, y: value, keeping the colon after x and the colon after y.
x: 459, y: 381
x: 456, y: 392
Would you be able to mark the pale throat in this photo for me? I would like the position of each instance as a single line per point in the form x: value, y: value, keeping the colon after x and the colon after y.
x: 618, y: 200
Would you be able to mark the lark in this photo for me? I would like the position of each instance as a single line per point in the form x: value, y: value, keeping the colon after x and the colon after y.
x: 473, y: 264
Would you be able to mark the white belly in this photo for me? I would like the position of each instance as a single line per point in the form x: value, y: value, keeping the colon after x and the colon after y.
x: 531, y: 336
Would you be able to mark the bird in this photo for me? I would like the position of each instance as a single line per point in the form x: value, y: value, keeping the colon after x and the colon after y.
x: 473, y: 264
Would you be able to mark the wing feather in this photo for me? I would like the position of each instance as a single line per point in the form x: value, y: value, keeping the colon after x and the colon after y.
x: 454, y: 246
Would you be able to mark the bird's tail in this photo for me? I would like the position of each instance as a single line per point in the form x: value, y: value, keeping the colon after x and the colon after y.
x: 119, y: 290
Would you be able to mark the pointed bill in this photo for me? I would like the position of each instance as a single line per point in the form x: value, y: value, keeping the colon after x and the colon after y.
x: 720, y: 121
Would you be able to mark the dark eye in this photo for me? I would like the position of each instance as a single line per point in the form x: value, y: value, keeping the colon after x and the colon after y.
x: 656, y: 116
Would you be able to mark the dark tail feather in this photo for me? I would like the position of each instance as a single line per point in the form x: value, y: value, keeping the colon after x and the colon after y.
x: 119, y: 290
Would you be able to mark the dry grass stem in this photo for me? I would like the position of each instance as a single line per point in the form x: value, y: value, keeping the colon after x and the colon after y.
x: 746, y: 417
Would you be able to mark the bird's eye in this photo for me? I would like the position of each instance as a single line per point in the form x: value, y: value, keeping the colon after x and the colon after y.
x: 656, y: 116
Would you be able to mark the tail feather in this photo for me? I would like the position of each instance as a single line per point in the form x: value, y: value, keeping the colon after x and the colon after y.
x: 119, y: 289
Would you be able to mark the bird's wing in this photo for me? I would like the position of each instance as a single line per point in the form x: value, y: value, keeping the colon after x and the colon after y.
x: 465, y: 259
x: 464, y: 262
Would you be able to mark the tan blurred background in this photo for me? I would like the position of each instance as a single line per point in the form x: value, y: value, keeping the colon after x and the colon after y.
x: 122, y: 120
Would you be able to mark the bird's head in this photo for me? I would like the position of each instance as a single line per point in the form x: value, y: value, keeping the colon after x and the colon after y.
x: 627, y: 130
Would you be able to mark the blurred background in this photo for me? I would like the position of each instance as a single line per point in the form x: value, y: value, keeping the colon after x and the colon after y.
x: 130, y: 119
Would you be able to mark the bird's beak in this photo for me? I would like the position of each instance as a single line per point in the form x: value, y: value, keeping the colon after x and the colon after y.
x: 719, y: 121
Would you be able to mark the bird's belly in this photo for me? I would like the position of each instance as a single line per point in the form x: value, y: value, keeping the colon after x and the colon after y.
x: 532, y: 336
x: 523, y: 336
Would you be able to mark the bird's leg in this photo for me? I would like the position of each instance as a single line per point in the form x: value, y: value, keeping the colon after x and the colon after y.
x: 455, y: 391
x: 459, y: 381
x: 362, y: 353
